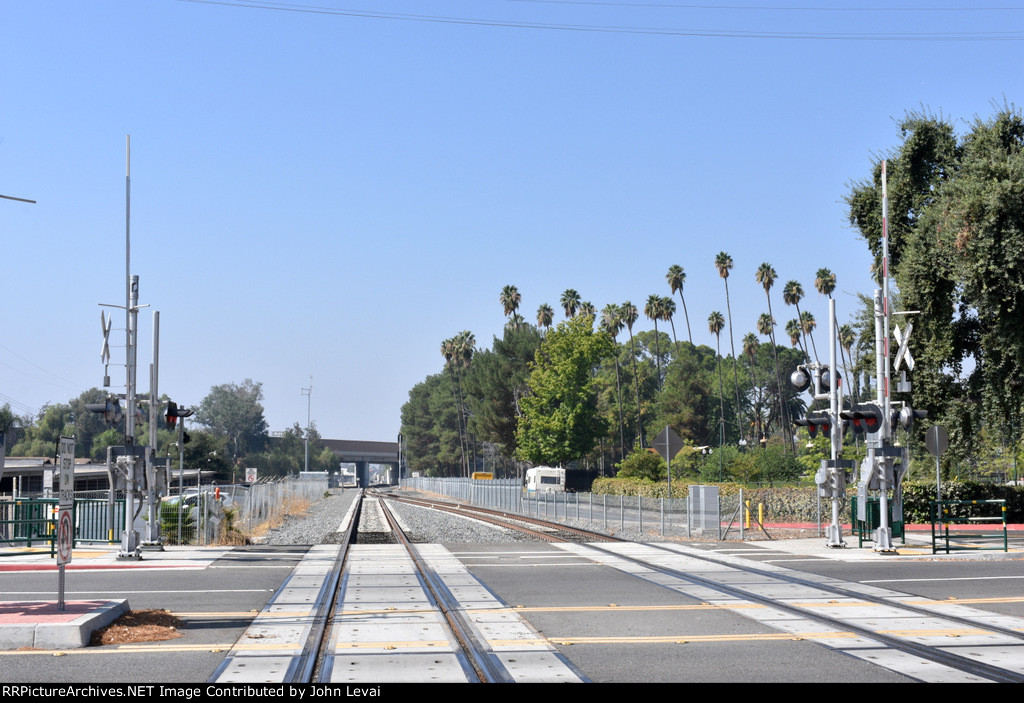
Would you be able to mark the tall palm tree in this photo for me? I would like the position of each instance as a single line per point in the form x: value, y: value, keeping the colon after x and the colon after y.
x: 570, y: 302
x: 545, y: 316
x: 452, y: 353
x: 793, y: 330
x: 676, y: 277
x: 723, y: 262
x: 515, y: 322
x: 766, y: 277
x: 509, y: 299
x: 846, y: 339
x: 587, y: 308
x: 792, y: 294
x: 808, y: 324
x: 465, y: 347
x: 825, y: 282
x: 629, y: 315
x: 611, y: 322
x: 668, y: 309
x: 715, y: 325
x: 653, y: 312
x: 750, y: 347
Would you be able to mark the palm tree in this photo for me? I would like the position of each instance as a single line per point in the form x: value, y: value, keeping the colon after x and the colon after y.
x: 808, y: 325
x: 766, y: 277
x: 509, y: 299
x: 515, y: 322
x: 825, y: 282
x: 676, y: 277
x: 668, y: 309
x: 587, y: 308
x: 545, y: 316
x: 570, y: 302
x: 611, y: 322
x: 750, y: 347
x: 723, y: 262
x: 653, y: 312
x: 792, y: 294
x: 846, y: 340
x: 629, y: 315
x: 793, y: 330
x: 453, y: 350
x: 715, y: 325
x: 465, y: 347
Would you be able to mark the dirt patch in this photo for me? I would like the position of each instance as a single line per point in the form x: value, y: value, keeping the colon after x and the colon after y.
x: 138, y: 626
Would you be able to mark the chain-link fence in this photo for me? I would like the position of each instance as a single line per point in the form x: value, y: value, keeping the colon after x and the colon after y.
x: 703, y: 513
x: 200, y: 516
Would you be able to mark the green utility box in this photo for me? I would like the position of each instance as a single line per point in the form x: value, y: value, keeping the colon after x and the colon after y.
x: 873, y: 510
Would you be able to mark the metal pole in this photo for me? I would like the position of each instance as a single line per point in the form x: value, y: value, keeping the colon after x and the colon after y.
x: 308, y: 392
x: 835, y: 530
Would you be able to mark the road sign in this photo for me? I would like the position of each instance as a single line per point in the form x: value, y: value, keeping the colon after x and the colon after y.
x: 250, y: 475
x: 903, y: 351
x: 937, y: 440
x: 668, y: 443
x: 65, y: 536
x: 66, y: 482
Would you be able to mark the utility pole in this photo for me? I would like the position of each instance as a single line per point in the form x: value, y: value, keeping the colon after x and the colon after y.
x: 308, y: 392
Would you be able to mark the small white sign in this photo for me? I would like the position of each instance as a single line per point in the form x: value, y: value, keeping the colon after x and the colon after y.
x: 66, y: 478
x: 65, y: 536
x: 250, y: 475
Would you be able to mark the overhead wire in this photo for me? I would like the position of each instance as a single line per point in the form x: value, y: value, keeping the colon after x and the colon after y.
x: 625, y: 29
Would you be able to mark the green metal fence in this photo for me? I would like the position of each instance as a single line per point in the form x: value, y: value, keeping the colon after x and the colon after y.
x: 32, y: 522
x: 946, y: 514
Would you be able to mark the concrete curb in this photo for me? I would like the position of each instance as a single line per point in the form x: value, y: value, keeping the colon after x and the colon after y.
x: 71, y: 632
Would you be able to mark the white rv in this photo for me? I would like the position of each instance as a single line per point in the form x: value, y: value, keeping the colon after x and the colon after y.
x: 545, y: 479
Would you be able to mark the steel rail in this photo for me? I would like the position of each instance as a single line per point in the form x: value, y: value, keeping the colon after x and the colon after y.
x: 307, y: 667
x: 956, y: 661
x: 486, y: 667
x: 849, y: 593
x: 509, y: 519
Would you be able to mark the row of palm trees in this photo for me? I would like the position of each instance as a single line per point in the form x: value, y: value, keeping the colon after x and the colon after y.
x: 663, y: 308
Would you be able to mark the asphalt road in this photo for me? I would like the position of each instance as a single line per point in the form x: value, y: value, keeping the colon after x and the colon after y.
x: 611, y: 626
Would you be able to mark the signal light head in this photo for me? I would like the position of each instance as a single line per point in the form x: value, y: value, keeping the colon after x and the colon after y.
x: 801, y: 379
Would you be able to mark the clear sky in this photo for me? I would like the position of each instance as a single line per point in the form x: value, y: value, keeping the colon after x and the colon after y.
x: 334, y: 188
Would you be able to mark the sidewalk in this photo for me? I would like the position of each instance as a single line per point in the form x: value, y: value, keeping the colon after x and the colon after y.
x: 39, y: 624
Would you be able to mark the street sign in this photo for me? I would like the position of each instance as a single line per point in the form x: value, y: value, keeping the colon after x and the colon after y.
x: 66, y: 481
x: 937, y: 440
x: 903, y: 344
x: 668, y: 443
x: 250, y: 475
x: 65, y: 536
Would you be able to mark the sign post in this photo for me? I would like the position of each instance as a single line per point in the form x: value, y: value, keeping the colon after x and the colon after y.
x: 65, y: 508
x: 668, y: 442
x: 937, y: 441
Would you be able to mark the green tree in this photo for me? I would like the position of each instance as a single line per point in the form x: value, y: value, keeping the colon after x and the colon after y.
x: 560, y: 421
x: 956, y: 252
x: 235, y: 413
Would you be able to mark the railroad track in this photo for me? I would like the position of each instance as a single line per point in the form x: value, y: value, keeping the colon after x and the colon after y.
x: 549, y: 531
x: 934, y: 616
x: 406, y: 612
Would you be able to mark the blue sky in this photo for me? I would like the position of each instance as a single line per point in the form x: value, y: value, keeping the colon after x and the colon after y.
x: 333, y: 188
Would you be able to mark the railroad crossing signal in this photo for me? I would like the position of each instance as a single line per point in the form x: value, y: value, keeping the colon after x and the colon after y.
x: 110, y: 409
x: 903, y: 351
